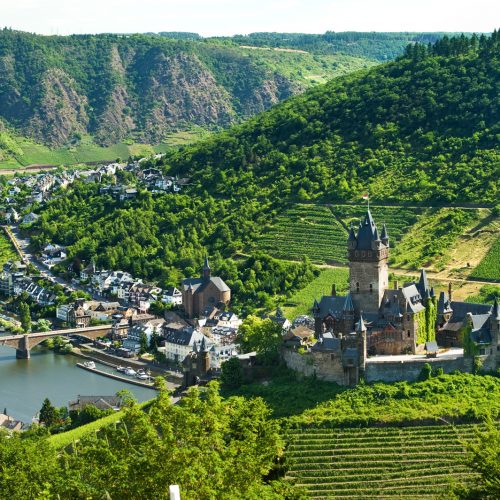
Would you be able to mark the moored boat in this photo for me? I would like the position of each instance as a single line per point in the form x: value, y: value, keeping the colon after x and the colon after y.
x: 89, y: 364
x: 130, y: 371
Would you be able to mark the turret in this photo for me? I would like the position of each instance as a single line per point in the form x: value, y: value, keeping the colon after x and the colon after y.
x: 384, y: 237
x: 361, y: 334
x: 351, y: 240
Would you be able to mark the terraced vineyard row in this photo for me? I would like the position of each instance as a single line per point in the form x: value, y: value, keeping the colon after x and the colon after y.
x: 402, y: 462
x: 488, y: 268
x: 320, y: 232
x: 309, y: 230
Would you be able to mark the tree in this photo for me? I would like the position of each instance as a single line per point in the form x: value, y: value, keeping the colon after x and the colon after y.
x: 49, y: 414
x: 154, y: 342
x: 232, y: 373
x: 260, y: 335
x: 42, y: 325
x: 143, y: 343
x: 25, y: 316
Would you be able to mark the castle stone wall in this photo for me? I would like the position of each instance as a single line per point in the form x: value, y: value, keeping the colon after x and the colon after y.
x: 366, y: 274
x: 319, y: 364
x: 394, y: 371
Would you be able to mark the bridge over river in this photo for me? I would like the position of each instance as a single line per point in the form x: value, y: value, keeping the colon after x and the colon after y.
x: 24, y: 343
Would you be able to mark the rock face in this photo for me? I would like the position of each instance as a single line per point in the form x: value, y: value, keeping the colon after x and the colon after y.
x: 117, y: 88
x: 180, y: 91
x: 61, y: 111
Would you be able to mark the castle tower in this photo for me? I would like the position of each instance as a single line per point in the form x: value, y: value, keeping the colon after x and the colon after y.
x: 368, y: 270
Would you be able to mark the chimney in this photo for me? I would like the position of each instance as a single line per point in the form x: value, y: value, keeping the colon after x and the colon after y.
x: 396, y: 284
x: 449, y: 291
x: 334, y: 290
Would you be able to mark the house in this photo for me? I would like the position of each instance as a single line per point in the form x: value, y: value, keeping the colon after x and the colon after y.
x: 10, y: 424
x: 30, y: 218
x: 100, y: 402
x: 12, y: 216
x: 198, y: 293
x: 172, y: 295
x: 137, y: 331
x: 179, y: 342
x: 299, y: 336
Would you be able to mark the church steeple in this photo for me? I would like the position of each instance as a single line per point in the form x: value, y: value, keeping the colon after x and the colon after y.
x: 206, y: 269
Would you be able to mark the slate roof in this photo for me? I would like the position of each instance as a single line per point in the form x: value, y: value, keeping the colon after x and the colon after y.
x: 460, y: 310
x: 327, y: 342
x: 333, y: 305
x: 413, y: 298
x: 198, y: 284
x: 367, y: 233
x: 187, y: 336
x: 101, y: 402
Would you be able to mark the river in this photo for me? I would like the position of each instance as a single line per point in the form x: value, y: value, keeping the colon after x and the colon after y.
x: 25, y: 383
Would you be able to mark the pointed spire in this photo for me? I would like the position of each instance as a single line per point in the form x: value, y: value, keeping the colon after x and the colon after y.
x: 367, y: 233
x: 433, y: 293
x: 348, y: 305
x: 195, y: 349
x: 203, y: 345
x: 423, y: 283
x: 496, y: 311
x: 360, y: 325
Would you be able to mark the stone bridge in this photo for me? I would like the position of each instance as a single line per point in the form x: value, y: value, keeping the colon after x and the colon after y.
x: 24, y: 343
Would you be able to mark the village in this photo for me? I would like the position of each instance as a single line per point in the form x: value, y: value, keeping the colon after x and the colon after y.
x: 375, y: 332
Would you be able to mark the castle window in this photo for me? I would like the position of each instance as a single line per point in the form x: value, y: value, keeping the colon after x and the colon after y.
x: 408, y: 317
x: 371, y: 288
x: 332, y: 356
x: 363, y: 253
x: 481, y: 351
x: 356, y: 253
x: 369, y: 254
x: 409, y: 334
x: 357, y: 286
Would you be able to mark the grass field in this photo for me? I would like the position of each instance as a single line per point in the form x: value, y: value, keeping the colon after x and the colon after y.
x: 7, y: 251
x: 28, y: 152
x: 301, y: 301
x: 396, y: 462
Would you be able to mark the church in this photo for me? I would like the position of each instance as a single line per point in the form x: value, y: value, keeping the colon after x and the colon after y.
x: 200, y: 295
x: 376, y: 318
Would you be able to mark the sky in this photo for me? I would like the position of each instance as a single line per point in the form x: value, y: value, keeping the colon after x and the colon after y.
x: 229, y: 17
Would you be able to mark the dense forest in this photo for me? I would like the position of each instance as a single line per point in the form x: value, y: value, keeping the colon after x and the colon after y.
x: 56, y: 89
x: 421, y: 129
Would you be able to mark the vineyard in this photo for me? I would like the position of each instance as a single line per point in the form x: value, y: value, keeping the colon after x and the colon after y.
x: 320, y: 232
x: 395, y: 462
x: 309, y: 230
x: 489, y: 268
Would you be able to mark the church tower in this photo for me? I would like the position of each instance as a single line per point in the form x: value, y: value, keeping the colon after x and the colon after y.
x: 368, y: 253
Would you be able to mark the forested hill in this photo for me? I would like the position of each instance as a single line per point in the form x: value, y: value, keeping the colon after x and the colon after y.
x: 424, y: 127
x: 378, y: 46
x: 56, y: 89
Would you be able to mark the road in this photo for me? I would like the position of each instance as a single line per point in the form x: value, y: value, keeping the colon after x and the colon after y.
x: 23, y: 244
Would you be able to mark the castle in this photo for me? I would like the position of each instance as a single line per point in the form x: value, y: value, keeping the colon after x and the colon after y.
x: 376, y: 319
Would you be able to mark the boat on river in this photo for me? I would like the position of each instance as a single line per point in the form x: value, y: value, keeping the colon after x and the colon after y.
x: 120, y: 368
x: 130, y: 371
x: 89, y: 364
